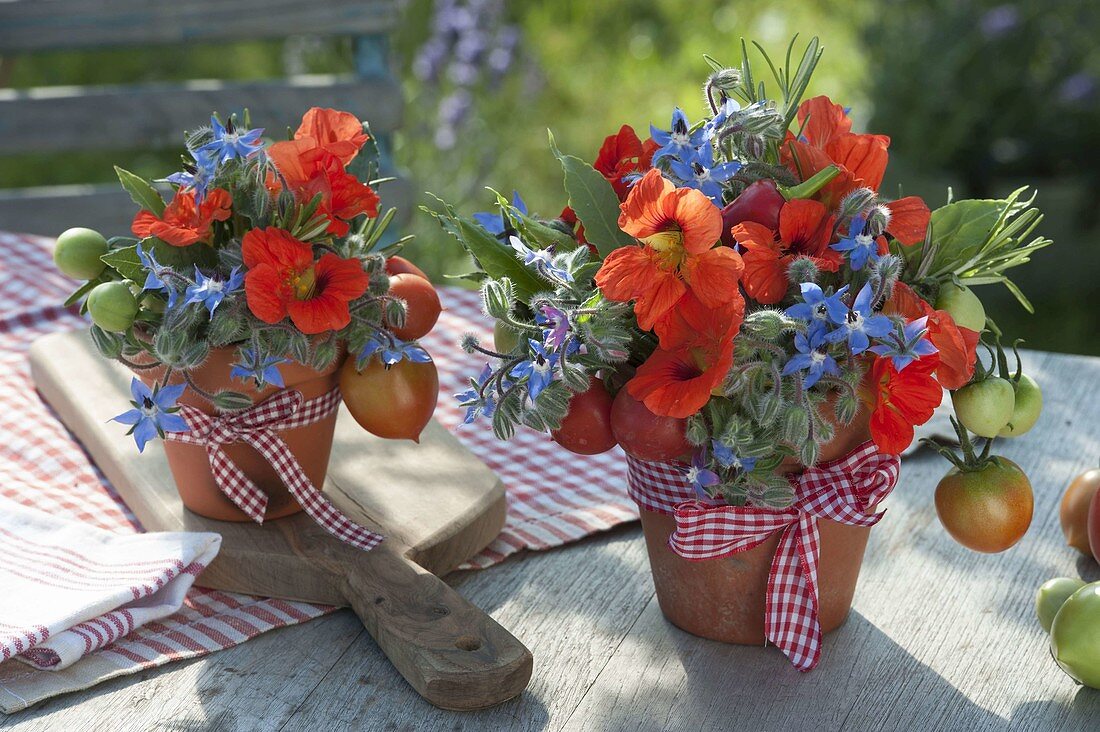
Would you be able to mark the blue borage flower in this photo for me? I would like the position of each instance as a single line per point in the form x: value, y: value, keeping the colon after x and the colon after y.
x: 679, y: 140
x: 725, y: 456
x: 494, y: 222
x: 391, y: 350
x: 541, y: 260
x: 476, y: 404
x: 210, y: 291
x: 262, y: 371
x: 860, y: 246
x: 153, y: 282
x: 861, y: 324
x: 229, y: 142
x: 197, y: 175
x: 820, y: 309
x: 700, y: 172
x: 812, y: 358
x: 699, y: 475
x: 907, y: 343
x: 539, y: 369
x: 154, y: 412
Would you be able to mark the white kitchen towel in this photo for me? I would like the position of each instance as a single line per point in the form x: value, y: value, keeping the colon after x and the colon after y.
x: 68, y: 589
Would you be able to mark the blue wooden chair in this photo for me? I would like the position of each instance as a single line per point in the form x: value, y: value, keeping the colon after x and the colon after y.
x: 153, y: 116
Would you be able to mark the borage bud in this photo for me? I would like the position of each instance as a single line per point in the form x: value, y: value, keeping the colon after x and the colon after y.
x: 469, y: 342
x: 877, y: 220
x: 857, y: 202
x: 726, y: 80
x: 802, y: 270
x: 395, y: 311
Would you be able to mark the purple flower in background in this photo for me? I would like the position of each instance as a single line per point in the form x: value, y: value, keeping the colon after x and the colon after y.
x: 154, y: 412
x: 152, y: 279
x: 494, y: 222
x: 556, y: 323
x: 540, y: 260
x: 1077, y: 88
x: 477, y: 405
x: 997, y: 21
x: 539, y: 369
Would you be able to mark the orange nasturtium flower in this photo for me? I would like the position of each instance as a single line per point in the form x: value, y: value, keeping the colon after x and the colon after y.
x: 805, y: 228
x: 680, y: 376
x: 283, y: 279
x: 677, y: 229
x: 184, y: 222
x: 902, y: 399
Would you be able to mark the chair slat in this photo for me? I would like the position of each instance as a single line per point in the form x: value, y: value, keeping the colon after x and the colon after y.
x: 155, y: 115
x: 38, y: 25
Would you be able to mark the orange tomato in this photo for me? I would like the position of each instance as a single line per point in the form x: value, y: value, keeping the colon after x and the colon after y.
x: 645, y: 435
x: 1074, y: 509
x: 396, y: 265
x: 988, y: 509
x: 586, y: 429
x: 422, y: 305
x: 395, y: 402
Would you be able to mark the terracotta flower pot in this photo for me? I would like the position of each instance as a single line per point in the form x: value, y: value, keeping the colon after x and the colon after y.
x: 310, y: 444
x: 724, y: 599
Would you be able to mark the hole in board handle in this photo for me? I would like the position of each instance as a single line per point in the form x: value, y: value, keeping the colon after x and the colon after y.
x: 467, y: 643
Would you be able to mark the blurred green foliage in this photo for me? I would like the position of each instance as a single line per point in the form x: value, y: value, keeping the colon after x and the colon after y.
x: 965, y: 107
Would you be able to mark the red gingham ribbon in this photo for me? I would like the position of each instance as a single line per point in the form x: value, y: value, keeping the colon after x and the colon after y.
x: 844, y: 490
x: 256, y: 426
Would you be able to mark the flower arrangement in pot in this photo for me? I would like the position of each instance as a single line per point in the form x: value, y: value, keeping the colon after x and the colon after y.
x: 736, y: 304
x: 260, y: 295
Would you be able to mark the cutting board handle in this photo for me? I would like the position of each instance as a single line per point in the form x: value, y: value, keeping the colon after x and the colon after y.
x: 452, y: 653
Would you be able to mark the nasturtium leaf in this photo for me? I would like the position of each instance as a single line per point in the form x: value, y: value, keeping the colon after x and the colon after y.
x: 594, y: 201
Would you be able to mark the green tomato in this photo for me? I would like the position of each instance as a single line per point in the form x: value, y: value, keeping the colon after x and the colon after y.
x: 112, y: 306
x: 505, y: 338
x: 985, y: 407
x: 963, y: 305
x: 78, y: 253
x: 1075, y: 636
x: 1025, y: 411
x: 1052, y: 595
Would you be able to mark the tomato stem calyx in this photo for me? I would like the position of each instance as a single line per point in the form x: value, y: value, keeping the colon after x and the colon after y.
x: 970, y: 460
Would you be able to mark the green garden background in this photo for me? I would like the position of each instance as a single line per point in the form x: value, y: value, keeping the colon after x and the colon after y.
x: 979, y: 96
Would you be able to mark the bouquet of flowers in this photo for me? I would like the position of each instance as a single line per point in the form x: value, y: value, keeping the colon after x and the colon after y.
x: 274, y: 250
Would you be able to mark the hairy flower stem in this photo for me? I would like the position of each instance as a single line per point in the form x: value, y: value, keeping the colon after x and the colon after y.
x: 208, y: 396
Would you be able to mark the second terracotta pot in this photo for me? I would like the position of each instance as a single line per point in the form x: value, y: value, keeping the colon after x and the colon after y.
x: 724, y: 599
x: 310, y: 444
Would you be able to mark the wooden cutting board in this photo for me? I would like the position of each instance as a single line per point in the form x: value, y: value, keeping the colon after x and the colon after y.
x: 436, y: 504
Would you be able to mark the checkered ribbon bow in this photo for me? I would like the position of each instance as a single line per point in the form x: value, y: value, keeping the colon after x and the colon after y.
x: 257, y: 427
x: 844, y: 491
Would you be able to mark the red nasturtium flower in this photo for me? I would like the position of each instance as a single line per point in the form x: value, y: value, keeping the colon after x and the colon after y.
x: 678, y: 229
x: 622, y: 155
x: 313, y: 162
x: 184, y: 222
x: 827, y: 139
x: 679, y: 377
x: 283, y: 279
x: 902, y: 399
x: 805, y: 228
x: 957, y: 346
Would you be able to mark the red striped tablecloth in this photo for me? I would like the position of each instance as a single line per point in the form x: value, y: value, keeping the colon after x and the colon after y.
x: 554, y: 497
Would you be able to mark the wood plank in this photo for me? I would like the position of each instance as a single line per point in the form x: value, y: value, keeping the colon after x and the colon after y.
x: 257, y: 685
x: 49, y: 210
x: 940, y: 637
x: 49, y: 119
x: 33, y: 25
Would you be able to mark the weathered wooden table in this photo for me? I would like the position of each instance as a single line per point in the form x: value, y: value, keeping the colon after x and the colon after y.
x: 939, y: 637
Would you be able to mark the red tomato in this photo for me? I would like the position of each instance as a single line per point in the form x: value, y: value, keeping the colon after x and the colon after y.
x: 644, y: 434
x: 422, y: 303
x: 1094, y: 526
x: 586, y: 429
x: 396, y: 265
x: 395, y: 402
x: 1074, y: 510
x: 988, y: 509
